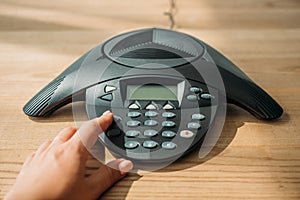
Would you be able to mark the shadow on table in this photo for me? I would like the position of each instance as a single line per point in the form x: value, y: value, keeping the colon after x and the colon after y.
x: 235, y: 118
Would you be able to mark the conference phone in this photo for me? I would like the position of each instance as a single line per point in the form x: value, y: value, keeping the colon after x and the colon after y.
x: 164, y: 87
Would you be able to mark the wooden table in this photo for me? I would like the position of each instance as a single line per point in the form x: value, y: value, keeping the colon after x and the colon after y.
x: 253, y: 159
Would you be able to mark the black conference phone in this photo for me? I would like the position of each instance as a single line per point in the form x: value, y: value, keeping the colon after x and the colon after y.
x: 164, y: 88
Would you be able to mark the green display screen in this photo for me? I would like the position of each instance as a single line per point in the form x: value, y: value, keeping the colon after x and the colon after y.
x: 151, y: 92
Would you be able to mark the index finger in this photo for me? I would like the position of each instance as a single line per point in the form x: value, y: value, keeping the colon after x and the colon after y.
x: 87, y: 135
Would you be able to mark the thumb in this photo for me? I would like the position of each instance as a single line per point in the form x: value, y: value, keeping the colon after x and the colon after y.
x: 104, y: 177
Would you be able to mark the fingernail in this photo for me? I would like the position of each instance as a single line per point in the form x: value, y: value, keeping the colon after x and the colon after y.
x: 125, y: 166
x: 106, y: 112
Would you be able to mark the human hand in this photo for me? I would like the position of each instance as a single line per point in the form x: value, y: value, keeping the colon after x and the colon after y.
x: 57, y: 169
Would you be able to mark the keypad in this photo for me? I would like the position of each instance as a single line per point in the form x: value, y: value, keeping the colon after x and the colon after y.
x: 152, y: 125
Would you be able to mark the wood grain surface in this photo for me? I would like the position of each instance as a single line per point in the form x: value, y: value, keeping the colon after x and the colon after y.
x: 253, y: 159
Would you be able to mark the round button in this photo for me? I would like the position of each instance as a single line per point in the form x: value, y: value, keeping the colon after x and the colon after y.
x: 150, y: 144
x: 132, y: 133
x: 192, y: 97
x: 195, y: 89
x: 133, y: 123
x: 150, y: 133
x: 168, y: 134
x: 193, y: 125
x: 168, y: 114
x: 133, y: 114
x: 131, y: 144
x: 207, y: 96
x: 150, y: 122
x: 168, y: 145
x: 168, y: 124
x: 151, y: 114
x: 198, y: 116
x: 186, y: 134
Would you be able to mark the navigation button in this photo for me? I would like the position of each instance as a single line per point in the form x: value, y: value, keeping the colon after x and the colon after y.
x: 150, y: 122
x: 168, y: 145
x: 133, y: 123
x: 186, y: 134
x: 168, y: 124
x: 109, y: 88
x: 207, y: 96
x: 150, y: 144
x: 168, y: 115
x: 135, y: 106
x: 198, y: 116
x: 150, y: 133
x: 151, y: 114
x: 107, y: 97
x: 151, y: 107
x: 132, y: 133
x: 193, y: 125
x: 133, y: 114
x: 131, y: 144
x: 168, y: 134
x: 168, y: 106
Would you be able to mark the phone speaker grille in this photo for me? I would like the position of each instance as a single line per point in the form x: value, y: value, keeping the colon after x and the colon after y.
x: 40, y: 101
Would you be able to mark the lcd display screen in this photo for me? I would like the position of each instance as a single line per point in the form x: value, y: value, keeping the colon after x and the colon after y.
x: 151, y: 92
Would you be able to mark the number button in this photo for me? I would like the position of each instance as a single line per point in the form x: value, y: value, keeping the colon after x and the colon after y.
x: 132, y: 133
x: 168, y: 115
x: 150, y: 133
x: 150, y: 122
x: 168, y: 134
x: 133, y: 114
x: 151, y: 114
x: 133, y: 123
x: 168, y: 124
x: 149, y: 144
x: 131, y: 144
